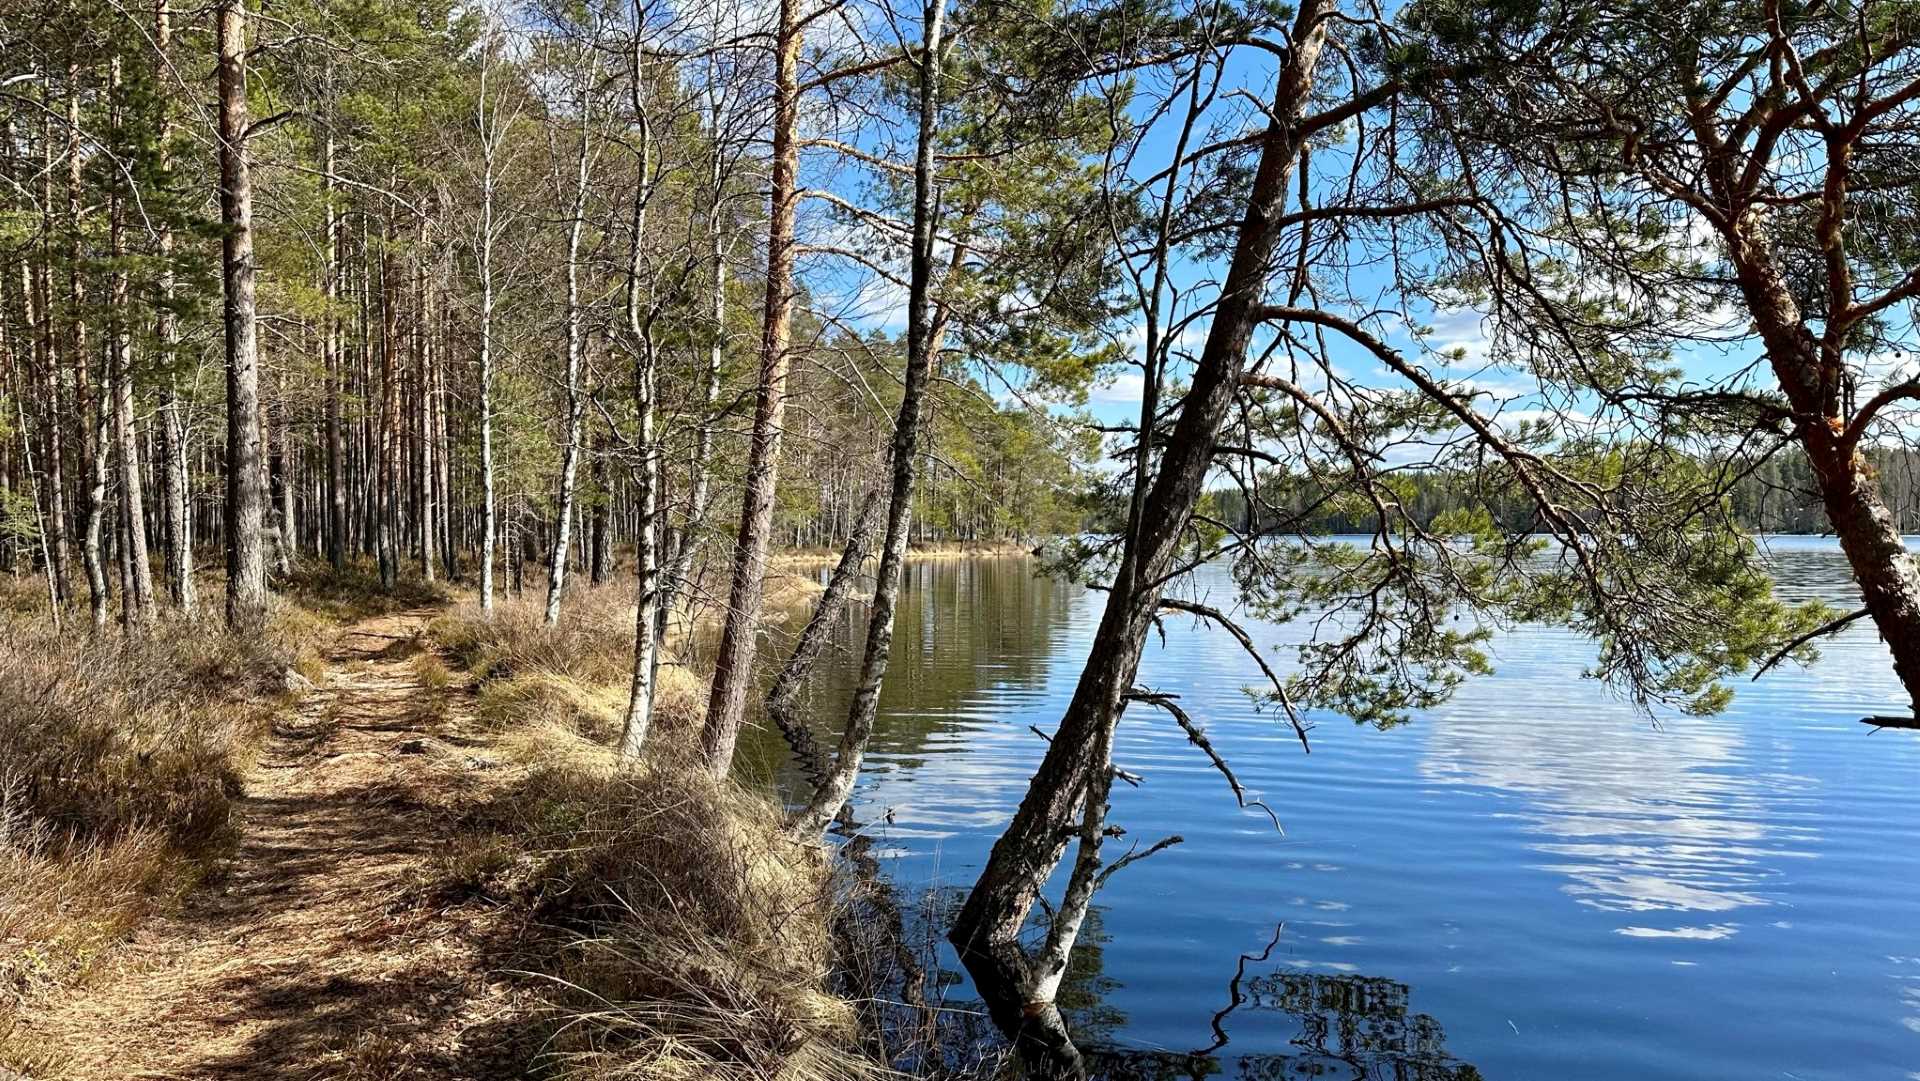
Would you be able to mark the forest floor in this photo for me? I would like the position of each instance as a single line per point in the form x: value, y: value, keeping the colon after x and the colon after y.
x: 318, y: 949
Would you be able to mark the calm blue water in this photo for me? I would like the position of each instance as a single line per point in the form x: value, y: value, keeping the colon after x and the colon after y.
x: 1532, y: 882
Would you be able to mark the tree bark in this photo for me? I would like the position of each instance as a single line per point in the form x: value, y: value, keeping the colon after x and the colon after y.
x: 489, y: 512
x: 50, y: 415
x: 829, y: 795
x: 175, y: 496
x: 423, y: 408
x: 388, y: 501
x: 89, y: 411
x: 335, y: 370
x: 733, y: 663
x: 576, y: 400
x: 600, y: 526
x: 1887, y: 573
x: 1068, y: 793
x: 246, y: 501
x: 646, y: 371
x: 785, y: 692
x: 676, y: 587
x: 136, y: 600
x: 96, y: 504
x: 279, y: 480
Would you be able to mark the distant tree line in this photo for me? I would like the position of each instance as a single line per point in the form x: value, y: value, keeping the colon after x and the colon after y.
x: 1778, y: 495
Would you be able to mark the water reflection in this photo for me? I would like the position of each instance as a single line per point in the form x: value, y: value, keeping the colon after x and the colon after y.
x: 1347, y: 1028
x: 1636, y: 819
x: 972, y: 638
x: 1343, y: 1027
x: 1575, y: 892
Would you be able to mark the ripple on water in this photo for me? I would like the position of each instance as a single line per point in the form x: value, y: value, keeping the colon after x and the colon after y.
x: 1534, y: 879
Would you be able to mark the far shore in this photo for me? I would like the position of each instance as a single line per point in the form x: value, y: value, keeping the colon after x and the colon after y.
x: 813, y: 557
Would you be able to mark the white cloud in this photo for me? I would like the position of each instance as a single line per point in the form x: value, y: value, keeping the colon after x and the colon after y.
x: 1126, y: 388
x: 1459, y: 329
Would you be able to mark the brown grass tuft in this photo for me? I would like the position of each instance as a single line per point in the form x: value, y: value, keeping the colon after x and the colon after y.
x: 698, y: 941
x: 119, y: 761
x: 701, y: 943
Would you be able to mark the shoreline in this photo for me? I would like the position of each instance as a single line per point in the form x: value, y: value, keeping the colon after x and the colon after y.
x: 819, y: 557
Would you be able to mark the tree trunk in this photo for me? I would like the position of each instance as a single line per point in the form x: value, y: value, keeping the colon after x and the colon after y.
x: 246, y: 499
x: 175, y: 497
x: 423, y: 408
x: 443, y: 456
x: 733, y: 663
x: 576, y: 400
x: 785, y: 692
x: 1068, y: 793
x: 336, y: 374
x: 96, y: 504
x: 1887, y: 573
x: 646, y: 371
x: 89, y: 411
x: 829, y: 795
x: 279, y: 479
x: 388, y: 502
x: 489, y: 514
x: 675, y: 587
x: 50, y: 414
x: 600, y: 546
x: 137, y: 598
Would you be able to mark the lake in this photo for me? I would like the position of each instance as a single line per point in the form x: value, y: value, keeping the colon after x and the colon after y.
x: 1531, y: 882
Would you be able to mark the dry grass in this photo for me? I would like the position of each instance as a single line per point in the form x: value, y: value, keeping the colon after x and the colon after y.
x: 355, y: 592
x: 571, y: 675
x: 695, y: 938
x: 65, y: 905
x: 119, y: 761
x: 698, y: 942
x: 809, y: 559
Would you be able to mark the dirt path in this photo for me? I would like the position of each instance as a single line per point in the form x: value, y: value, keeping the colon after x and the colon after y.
x: 316, y: 954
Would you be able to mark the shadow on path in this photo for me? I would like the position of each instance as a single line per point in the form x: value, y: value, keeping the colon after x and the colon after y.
x: 312, y: 954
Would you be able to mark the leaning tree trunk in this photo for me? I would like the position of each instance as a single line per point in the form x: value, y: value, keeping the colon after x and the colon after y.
x: 246, y: 499
x: 838, y: 784
x: 733, y: 662
x: 1885, y: 569
x: 1887, y: 573
x: 1066, y: 798
x: 784, y: 695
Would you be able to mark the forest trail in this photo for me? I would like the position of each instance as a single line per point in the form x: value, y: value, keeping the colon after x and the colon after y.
x: 316, y: 952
